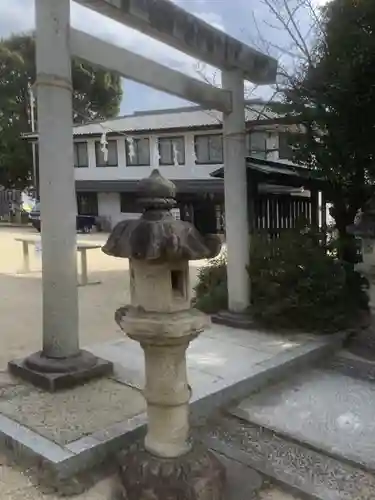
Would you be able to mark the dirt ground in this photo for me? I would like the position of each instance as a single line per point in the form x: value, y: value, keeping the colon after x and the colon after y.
x: 21, y: 304
x: 21, y: 298
x: 21, y: 333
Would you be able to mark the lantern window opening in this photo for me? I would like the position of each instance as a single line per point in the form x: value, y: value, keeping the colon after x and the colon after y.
x: 178, y: 283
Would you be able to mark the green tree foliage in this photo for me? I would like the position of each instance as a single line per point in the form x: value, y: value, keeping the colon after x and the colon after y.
x: 333, y: 95
x: 97, y: 95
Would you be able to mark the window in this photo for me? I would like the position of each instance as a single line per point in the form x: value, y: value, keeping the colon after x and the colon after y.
x: 80, y: 154
x: 257, y: 145
x: 112, y: 160
x: 128, y: 204
x: 209, y: 148
x: 287, y: 143
x: 171, y: 147
x: 87, y: 203
x: 141, y: 152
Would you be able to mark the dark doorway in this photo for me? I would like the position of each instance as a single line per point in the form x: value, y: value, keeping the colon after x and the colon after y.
x: 87, y: 204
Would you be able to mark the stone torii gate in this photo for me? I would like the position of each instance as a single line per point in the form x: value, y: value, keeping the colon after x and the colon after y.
x: 56, y: 42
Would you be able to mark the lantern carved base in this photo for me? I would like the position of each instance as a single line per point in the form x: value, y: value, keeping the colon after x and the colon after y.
x: 197, y: 475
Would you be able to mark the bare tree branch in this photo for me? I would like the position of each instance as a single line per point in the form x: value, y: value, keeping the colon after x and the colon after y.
x: 292, y: 57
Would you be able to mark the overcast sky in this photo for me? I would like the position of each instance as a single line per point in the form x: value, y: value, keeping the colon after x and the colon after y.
x: 234, y: 16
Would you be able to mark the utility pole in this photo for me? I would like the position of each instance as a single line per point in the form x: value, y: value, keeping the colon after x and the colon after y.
x: 33, y: 144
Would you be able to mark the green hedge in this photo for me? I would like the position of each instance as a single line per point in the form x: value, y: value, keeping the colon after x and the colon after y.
x: 211, y: 294
x: 295, y: 284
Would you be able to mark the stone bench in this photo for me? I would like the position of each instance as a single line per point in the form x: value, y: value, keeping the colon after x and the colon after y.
x: 82, y: 247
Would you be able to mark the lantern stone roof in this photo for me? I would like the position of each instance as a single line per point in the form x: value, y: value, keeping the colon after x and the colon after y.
x: 157, y: 235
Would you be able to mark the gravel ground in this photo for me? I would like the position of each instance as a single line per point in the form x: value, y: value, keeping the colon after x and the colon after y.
x: 276, y: 494
x: 16, y: 485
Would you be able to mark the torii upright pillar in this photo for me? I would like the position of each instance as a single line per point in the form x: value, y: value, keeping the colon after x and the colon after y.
x: 60, y: 363
x: 235, y: 190
x: 237, y: 224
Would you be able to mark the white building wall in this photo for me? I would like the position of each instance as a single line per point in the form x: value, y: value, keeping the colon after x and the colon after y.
x: 125, y: 172
x: 109, y: 205
x: 190, y: 170
x: 91, y: 158
x: 272, y: 145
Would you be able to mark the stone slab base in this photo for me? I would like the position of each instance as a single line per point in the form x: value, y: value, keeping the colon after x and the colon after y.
x: 353, y: 366
x: 198, y: 475
x: 41, y: 372
x: 234, y: 320
x: 242, y: 482
x: 303, y: 471
x: 363, y: 343
x: 322, y: 409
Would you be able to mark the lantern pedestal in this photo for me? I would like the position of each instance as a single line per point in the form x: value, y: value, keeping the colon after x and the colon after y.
x: 196, y: 475
x: 166, y: 466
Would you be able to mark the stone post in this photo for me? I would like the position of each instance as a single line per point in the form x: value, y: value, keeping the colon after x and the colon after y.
x: 57, y: 190
x: 166, y: 465
x: 237, y: 205
x: 61, y: 363
x: 235, y: 189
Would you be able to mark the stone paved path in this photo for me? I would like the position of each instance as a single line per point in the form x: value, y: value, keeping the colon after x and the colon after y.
x: 219, y: 357
x: 327, y: 410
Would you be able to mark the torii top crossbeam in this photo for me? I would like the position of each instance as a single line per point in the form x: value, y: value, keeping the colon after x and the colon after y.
x: 170, y: 24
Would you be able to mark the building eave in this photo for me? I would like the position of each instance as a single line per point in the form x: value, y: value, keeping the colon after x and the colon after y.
x: 179, y: 120
x: 250, y: 125
x: 278, y: 172
x: 210, y: 185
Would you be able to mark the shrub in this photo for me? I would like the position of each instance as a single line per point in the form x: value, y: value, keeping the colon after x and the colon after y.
x: 295, y: 282
x: 211, y: 293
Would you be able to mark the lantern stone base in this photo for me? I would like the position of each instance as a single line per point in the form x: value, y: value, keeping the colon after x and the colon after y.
x: 53, y: 374
x: 197, y: 475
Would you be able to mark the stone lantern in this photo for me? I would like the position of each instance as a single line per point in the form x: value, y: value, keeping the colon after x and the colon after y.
x: 364, y: 228
x: 167, y: 465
